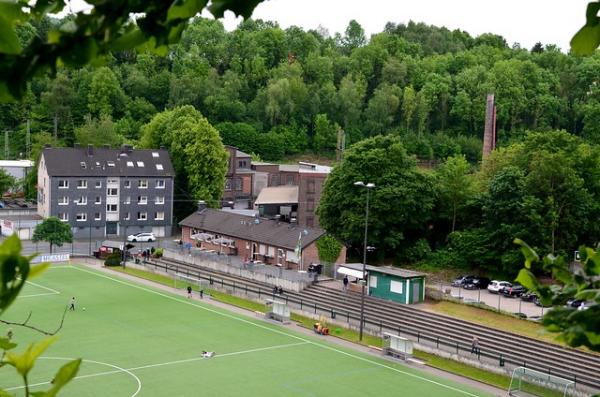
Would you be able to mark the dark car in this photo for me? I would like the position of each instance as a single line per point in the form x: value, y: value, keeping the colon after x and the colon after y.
x: 477, y: 283
x: 574, y: 303
x: 462, y: 280
x: 514, y: 291
x: 528, y: 296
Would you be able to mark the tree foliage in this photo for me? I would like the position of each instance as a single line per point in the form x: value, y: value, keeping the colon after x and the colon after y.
x: 54, y: 231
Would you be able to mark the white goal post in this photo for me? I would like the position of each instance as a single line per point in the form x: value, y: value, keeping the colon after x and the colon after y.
x: 529, y: 382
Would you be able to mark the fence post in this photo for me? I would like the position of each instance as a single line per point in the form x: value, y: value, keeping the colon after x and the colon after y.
x: 456, y: 347
x: 258, y: 292
x: 315, y: 308
x: 418, y: 336
x: 348, y: 317
x: 437, y: 343
x: 300, y: 303
x: 380, y: 326
x: 332, y: 313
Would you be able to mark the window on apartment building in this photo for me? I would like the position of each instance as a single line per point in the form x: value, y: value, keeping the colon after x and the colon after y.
x: 63, y: 216
x: 159, y: 216
x: 155, y: 155
x: 127, y: 184
x: 63, y: 184
x: 143, y: 184
x: 83, y: 165
x: 97, y: 216
x: 126, y: 217
x: 82, y: 184
x: 81, y: 200
x: 63, y: 200
x: 289, y: 180
x: 159, y: 200
x: 127, y: 200
x: 310, y: 221
x: 98, y: 200
x: 142, y: 216
x: 112, y: 191
x: 227, y: 184
x: 275, y: 180
x: 111, y: 207
x: 242, y: 164
x: 81, y: 217
x: 159, y: 167
x: 160, y: 184
x: 98, y: 184
x: 142, y: 200
x: 140, y: 164
x: 310, y: 186
x: 130, y: 164
x: 238, y: 184
x: 310, y: 205
x: 110, y: 163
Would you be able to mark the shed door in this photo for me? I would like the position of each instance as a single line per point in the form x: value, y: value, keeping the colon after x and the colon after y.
x: 416, y: 290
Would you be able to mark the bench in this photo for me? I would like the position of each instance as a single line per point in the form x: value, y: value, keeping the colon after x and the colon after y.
x: 258, y: 313
x: 376, y: 348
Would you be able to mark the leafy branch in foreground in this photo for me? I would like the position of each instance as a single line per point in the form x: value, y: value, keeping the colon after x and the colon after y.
x: 576, y: 327
x: 84, y: 36
x: 15, y: 270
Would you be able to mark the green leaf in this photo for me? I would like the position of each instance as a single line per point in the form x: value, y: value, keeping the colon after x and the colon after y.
x: 530, y: 255
x: 6, y: 344
x: 35, y: 271
x: 63, y: 376
x: 586, y: 40
x: 10, y: 15
x: 129, y: 40
x: 185, y: 9
x: 5, y: 394
x: 528, y: 280
x: 243, y: 8
x: 80, y: 54
x: 24, y: 362
x: 43, y: 7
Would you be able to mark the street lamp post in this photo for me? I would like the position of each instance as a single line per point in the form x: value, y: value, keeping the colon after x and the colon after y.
x: 368, y: 186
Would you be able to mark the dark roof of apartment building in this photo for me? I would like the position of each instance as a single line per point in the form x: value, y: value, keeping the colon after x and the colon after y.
x: 90, y: 161
x: 274, y: 233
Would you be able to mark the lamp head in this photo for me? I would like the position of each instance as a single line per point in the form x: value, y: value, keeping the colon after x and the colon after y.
x: 359, y: 183
x: 370, y: 185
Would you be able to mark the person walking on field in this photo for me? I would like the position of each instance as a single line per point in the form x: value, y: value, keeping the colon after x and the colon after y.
x: 189, y: 290
x: 72, y: 304
x: 345, y: 283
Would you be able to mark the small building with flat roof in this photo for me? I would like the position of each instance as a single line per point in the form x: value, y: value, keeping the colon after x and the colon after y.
x: 388, y: 282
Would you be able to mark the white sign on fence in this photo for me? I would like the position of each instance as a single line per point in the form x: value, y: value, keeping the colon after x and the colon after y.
x: 52, y: 258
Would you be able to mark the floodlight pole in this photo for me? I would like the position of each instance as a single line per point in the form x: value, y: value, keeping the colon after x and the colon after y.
x: 368, y: 186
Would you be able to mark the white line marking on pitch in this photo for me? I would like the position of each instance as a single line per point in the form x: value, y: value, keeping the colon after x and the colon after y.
x: 43, y: 287
x: 177, y: 299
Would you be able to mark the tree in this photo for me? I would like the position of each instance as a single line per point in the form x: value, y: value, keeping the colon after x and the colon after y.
x: 325, y: 138
x: 92, y: 33
x: 6, y: 182
x: 400, y: 206
x: 198, y: 155
x: 106, y: 98
x: 455, y: 185
x: 98, y: 132
x: 54, y: 231
x: 354, y: 36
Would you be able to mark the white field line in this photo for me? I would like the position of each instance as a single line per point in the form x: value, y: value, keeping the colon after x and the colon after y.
x: 33, y: 295
x: 43, y: 287
x: 128, y: 370
x: 381, y: 365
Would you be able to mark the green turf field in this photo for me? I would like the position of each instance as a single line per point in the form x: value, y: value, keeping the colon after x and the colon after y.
x: 140, y: 341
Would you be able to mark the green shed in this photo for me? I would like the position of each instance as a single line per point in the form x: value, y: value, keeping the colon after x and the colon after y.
x: 392, y: 283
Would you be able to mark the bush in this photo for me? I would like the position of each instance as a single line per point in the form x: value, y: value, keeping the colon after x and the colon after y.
x: 158, y: 253
x: 113, y: 259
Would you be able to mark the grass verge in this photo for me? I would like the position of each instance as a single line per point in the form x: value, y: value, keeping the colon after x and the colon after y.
x: 455, y: 367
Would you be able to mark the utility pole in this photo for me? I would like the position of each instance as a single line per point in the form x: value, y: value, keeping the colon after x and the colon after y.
x: 6, y: 151
x: 28, y: 139
x: 55, y: 127
x: 341, y: 145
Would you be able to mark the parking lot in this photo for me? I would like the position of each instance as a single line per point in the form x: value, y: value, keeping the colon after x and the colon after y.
x: 495, y: 301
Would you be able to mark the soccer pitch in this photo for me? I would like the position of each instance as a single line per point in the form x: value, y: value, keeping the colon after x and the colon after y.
x: 140, y: 341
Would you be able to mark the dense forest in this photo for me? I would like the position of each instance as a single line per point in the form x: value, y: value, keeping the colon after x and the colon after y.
x: 420, y: 89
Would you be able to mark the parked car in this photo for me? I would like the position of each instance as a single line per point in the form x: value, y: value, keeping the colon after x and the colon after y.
x: 514, y: 291
x: 142, y: 237
x: 462, y: 280
x: 528, y: 296
x: 477, y: 283
x: 574, y: 303
x: 496, y: 286
x: 586, y: 305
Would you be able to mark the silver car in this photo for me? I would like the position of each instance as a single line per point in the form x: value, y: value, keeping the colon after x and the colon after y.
x: 142, y: 237
x: 496, y: 286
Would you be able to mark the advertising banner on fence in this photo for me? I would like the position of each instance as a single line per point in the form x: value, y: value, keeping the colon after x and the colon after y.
x: 52, y: 258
